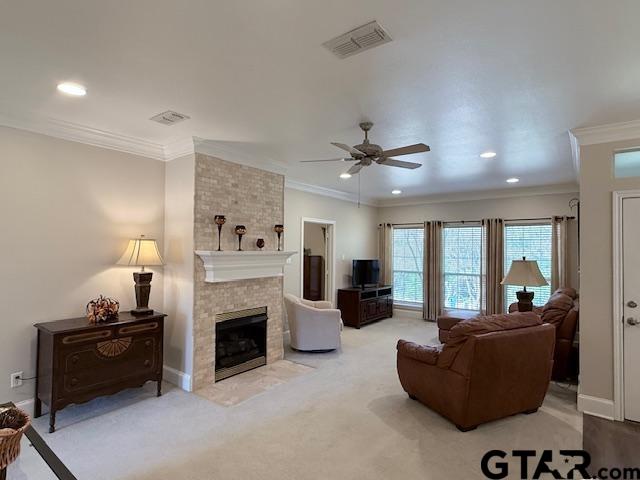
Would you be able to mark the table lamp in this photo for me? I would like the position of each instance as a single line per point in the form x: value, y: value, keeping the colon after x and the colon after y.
x: 526, y: 273
x: 142, y: 252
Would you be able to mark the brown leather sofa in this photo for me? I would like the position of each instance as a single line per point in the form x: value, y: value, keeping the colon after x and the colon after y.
x: 562, y: 311
x: 489, y: 368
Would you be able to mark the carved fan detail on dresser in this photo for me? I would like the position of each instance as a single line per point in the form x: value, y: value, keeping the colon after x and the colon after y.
x: 115, y: 347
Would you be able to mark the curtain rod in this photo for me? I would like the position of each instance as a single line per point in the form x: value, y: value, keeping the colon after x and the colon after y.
x: 478, y: 221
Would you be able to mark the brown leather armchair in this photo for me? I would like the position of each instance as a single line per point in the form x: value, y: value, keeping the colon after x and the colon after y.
x: 562, y: 311
x: 491, y: 367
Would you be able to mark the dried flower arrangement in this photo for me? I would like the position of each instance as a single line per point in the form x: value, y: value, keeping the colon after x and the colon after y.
x: 102, y: 309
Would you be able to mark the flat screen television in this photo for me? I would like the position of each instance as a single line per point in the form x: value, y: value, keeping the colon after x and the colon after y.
x: 365, y: 272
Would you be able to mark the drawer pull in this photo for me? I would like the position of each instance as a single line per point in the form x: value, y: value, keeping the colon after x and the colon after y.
x: 75, y: 359
x: 145, y: 327
x: 147, y: 363
x: 74, y: 381
x: 84, y: 337
x: 147, y: 343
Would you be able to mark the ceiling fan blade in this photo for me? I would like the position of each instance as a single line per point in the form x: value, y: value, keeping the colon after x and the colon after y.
x: 349, y: 149
x: 392, y: 162
x: 409, y: 149
x: 355, y: 169
x: 328, y: 160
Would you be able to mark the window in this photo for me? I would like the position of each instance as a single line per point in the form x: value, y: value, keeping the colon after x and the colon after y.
x: 461, y: 266
x: 408, y: 249
x: 626, y: 163
x: 534, y: 242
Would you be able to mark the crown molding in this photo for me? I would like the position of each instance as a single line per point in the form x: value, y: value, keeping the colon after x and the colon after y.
x: 482, y: 195
x: 84, y: 134
x: 225, y: 152
x: 613, y: 132
x: 328, y: 192
x: 179, y: 148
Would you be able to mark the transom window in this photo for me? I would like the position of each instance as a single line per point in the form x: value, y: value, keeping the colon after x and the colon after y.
x: 408, y: 260
x: 461, y: 266
x: 533, y: 241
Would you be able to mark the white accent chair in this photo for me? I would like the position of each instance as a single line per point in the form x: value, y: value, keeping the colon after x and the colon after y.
x: 314, y: 326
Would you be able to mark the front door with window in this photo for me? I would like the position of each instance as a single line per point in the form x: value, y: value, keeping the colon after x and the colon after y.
x: 631, y: 306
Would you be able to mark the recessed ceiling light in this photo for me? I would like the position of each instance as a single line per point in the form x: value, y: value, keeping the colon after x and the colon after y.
x: 396, y: 192
x: 513, y: 180
x: 488, y: 154
x: 345, y: 175
x: 74, y: 89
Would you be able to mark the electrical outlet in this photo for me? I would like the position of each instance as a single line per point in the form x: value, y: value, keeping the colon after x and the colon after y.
x: 16, y: 379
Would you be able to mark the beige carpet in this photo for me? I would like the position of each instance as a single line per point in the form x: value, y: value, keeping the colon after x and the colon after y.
x: 237, y: 389
x: 348, y: 418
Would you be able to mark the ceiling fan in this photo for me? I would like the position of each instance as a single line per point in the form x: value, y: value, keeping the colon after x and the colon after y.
x: 367, y: 153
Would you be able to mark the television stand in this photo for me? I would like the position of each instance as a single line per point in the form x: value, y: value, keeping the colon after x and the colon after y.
x: 360, y: 307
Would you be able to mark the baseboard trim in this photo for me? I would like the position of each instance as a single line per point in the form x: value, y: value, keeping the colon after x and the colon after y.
x: 598, y: 407
x: 171, y: 375
x: 26, y: 405
x: 177, y: 378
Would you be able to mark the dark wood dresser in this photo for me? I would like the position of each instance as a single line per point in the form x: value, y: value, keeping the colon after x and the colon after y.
x: 313, y: 277
x: 78, y: 361
x: 359, y: 306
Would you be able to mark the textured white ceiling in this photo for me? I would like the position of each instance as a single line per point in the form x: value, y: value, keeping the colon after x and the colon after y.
x: 461, y: 76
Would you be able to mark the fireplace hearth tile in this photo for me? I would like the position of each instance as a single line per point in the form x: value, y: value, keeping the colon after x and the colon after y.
x: 237, y: 389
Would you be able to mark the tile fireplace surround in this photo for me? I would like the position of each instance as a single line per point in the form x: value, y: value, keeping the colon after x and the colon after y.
x: 247, y: 196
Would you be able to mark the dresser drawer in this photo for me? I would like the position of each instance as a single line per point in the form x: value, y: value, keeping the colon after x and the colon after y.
x: 111, y: 353
x: 140, y: 359
x: 87, y: 380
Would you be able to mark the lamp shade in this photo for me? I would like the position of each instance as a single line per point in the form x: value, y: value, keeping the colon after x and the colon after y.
x: 524, y: 272
x: 141, y: 252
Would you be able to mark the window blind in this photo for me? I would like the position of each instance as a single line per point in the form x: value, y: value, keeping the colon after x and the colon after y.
x: 408, y: 261
x: 534, y: 242
x: 461, y: 266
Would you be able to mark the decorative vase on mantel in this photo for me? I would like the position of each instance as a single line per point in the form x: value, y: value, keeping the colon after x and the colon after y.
x: 279, y: 228
x: 240, y: 231
x: 219, y: 220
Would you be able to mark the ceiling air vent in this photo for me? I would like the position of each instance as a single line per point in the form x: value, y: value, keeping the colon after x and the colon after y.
x: 358, y: 40
x: 169, y: 117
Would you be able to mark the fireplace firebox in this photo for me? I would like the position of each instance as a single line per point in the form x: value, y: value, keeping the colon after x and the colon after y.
x: 241, y: 341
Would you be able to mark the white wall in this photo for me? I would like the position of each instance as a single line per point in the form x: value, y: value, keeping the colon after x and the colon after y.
x: 356, y: 233
x: 596, y: 254
x: 67, y: 212
x: 178, y: 271
x: 507, y: 208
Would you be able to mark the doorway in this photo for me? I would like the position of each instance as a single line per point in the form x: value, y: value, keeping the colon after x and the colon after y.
x: 626, y: 304
x: 318, y: 262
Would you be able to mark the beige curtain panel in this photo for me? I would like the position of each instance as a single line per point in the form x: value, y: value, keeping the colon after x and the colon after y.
x: 385, y: 252
x: 560, y: 256
x: 492, y: 293
x: 432, y: 271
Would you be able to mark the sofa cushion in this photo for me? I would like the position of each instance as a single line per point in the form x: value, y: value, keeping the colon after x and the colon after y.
x: 480, y: 325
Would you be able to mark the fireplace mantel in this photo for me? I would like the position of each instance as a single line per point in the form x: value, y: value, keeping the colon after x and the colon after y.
x: 234, y: 265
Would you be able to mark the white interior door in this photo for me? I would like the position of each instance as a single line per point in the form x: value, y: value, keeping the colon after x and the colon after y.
x: 631, y: 307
